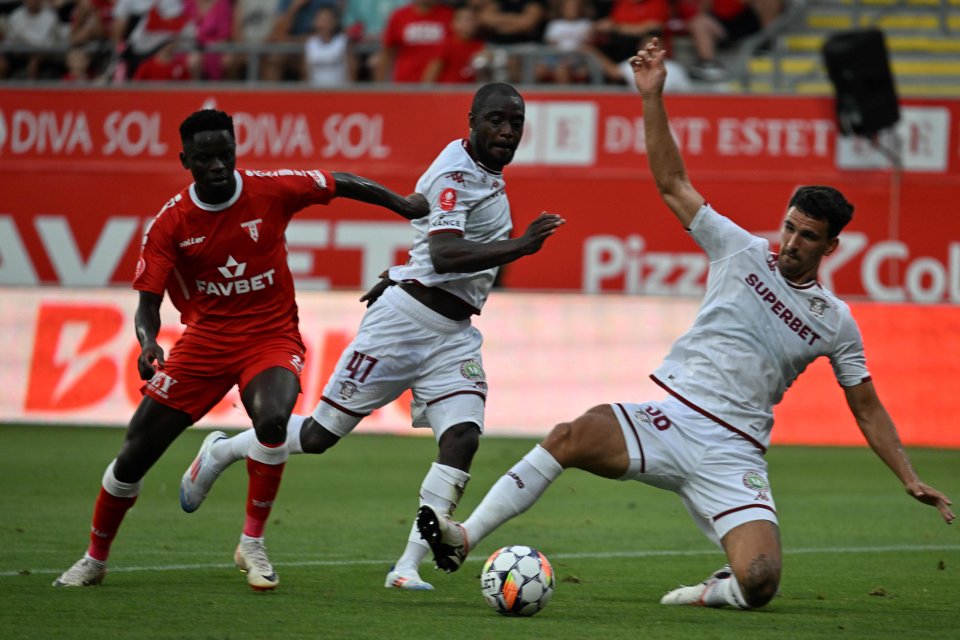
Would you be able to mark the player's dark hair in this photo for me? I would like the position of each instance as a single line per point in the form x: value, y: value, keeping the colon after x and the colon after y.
x: 823, y: 203
x: 489, y: 90
x: 205, y: 120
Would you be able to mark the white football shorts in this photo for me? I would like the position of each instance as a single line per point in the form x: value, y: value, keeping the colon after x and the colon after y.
x: 720, y: 477
x: 402, y: 344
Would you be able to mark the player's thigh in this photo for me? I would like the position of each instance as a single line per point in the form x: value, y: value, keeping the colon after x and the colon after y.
x: 374, y: 369
x: 451, y: 386
x: 593, y: 442
x: 269, y: 380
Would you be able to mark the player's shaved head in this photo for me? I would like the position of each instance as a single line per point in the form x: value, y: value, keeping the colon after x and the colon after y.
x: 205, y: 120
x: 487, y: 91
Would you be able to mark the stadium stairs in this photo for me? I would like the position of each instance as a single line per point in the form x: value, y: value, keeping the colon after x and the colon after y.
x: 922, y: 38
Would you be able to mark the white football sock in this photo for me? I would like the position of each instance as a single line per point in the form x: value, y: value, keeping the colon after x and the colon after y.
x: 725, y: 591
x: 513, y: 493
x: 268, y: 455
x: 226, y: 452
x: 116, y: 488
x: 442, y: 489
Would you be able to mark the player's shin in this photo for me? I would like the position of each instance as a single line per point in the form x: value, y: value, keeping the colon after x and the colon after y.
x: 265, y: 468
x: 442, y: 488
x: 515, y: 492
x: 112, y: 504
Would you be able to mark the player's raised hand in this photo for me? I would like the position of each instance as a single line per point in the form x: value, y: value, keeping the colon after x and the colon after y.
x: 649, y: 71
x: 928, y: 495
x: 544, y: 226
x: 377, y: 290
x: 151, y: 359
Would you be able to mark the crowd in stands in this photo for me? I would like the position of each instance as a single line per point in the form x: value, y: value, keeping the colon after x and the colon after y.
x: 332, y: 43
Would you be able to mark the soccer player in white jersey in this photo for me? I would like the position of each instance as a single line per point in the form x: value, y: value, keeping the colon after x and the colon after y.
x: 418, y: 335
x: 764, y: 318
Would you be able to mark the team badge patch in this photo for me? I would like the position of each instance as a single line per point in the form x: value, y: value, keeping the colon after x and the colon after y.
x: 755, y: 481
x: 347, y: 389
x: 253, y: 228
x: 817, y: 306
x: 471, y: 370
x: 448, y: 199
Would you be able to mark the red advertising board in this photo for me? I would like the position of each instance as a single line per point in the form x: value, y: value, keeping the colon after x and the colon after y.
x: 70, y: 357
x: 82, y: 170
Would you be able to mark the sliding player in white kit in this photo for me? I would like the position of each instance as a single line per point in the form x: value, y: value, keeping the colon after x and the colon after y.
x: 764, y: 318
x: 418, y: 335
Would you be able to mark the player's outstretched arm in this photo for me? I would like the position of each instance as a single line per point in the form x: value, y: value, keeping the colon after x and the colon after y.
x: 451, y: 253
x: 356, y: 187
x: 146, y: 321
x: 666, y: 163
x: 881, y: 434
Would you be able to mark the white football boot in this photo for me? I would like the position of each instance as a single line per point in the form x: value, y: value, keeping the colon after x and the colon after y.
x: 409, y: 582
x: 199, y: 477
x: 698, y: 594
x: 85, y: 572
x: 251, y: 557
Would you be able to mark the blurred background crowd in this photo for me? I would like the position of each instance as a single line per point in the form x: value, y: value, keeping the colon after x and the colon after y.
x: 332, y: 43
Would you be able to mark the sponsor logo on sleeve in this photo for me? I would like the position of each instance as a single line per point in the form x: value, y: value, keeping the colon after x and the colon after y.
x: 141, y: 267
x: 448, y: 199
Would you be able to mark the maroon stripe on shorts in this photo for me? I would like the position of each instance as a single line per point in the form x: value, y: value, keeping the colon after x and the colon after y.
x: 457, y: 393
x: 636, y: 434
x: 741, y: 508
x: 342, y: 408
x: 707, y: 414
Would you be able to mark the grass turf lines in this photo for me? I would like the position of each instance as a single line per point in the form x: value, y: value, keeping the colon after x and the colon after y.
x: 861, y: 559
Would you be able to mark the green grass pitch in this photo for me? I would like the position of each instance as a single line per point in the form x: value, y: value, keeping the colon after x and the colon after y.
x: 862, y: 560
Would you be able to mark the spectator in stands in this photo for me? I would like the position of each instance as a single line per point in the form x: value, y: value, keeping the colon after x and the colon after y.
x: 571, y: 30
x: 718, y: 22
x: 414, y: 36
x: 463, y: 53
x: 678, y: 81
x: 327, y: 57
x: 511, y: 22
x: 364, y: 22
x: 293, y: 25
x: 90, y: 21
x: 252, y: 24
x: 629, y: 22
x: 166, y: 65
x: 77, y: 62
x: 33, y: 24
x: 214, y: 24
x: 140, y: 31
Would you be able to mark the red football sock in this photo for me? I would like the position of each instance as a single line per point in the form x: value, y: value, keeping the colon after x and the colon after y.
x: 108, y: 513
x: 261, y: 492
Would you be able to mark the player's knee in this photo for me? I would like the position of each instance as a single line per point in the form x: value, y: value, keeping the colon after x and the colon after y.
x: 560, y: 443
x: 759, y: 586
x: 458, y: 445
x: 315, y: 438
x: 271, y: 427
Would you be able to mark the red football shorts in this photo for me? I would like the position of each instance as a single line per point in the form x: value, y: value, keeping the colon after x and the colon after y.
x: 196, y: 376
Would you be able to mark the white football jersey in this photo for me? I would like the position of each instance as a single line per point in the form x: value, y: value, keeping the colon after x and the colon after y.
x: 755, y: 333
x: 466, y: 199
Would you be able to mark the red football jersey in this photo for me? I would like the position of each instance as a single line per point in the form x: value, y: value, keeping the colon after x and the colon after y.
x: 417, y: 38
x: 225, y: 266
x: 457, y: 56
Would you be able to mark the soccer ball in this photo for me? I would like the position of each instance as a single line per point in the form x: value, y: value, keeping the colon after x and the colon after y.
x: 517, y: 581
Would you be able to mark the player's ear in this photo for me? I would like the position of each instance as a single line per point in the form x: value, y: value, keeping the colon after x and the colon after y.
x: 832, y: 246
x: 183, y: 160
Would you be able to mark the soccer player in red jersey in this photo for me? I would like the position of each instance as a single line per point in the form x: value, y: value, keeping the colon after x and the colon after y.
x: 218, y: 249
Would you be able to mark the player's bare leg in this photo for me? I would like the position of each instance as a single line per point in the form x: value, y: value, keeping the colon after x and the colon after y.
x: 593, y: 442
x: 440, y: 491
x: 151, y: 430
x: 750, y: 580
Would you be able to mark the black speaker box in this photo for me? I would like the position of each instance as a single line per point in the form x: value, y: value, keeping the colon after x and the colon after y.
x: 859, y: 68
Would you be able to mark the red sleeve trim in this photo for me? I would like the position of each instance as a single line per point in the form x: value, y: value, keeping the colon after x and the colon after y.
x: 456, y: 232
